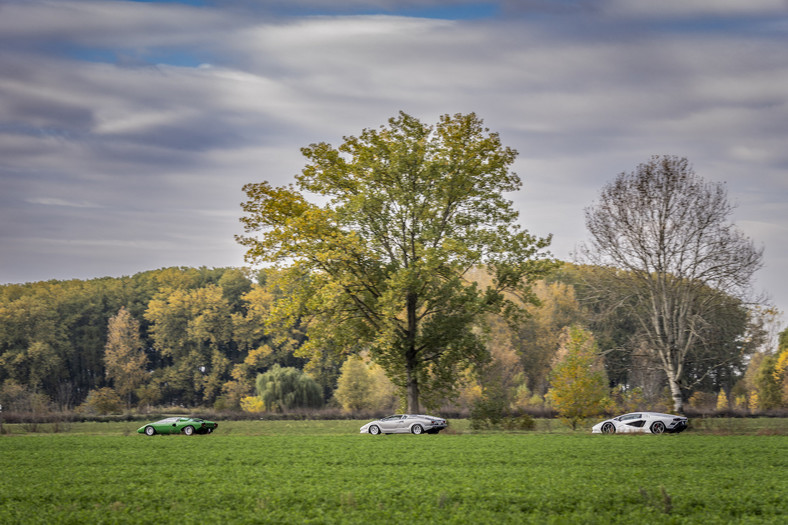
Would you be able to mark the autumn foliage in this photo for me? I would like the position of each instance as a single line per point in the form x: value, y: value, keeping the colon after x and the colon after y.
x: 579, y: 384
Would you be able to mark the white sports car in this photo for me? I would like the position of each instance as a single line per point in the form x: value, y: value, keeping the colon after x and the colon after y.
x: 404, y: 424
x: 649, y: 422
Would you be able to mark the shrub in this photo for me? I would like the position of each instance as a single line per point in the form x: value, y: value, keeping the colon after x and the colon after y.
x: 488, y: 412
x: 522, y: 422
x: 285, y: 388
x: 103, y: 401
x: 252, y: 404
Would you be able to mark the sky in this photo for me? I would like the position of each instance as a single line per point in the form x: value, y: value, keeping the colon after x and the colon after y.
x: 128, y: 128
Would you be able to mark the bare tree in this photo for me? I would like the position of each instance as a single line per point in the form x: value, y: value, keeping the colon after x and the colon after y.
x: 682, y: 259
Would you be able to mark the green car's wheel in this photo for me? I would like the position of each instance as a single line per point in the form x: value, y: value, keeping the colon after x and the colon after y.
x: 188, y: 430
x: 374, y: 430
x: 417, y: 429
x: 149, y: 431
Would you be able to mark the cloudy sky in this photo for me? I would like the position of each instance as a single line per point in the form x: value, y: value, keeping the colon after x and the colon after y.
x: 127, y: 128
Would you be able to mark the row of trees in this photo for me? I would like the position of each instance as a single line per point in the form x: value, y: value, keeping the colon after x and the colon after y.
x: 201, y: 339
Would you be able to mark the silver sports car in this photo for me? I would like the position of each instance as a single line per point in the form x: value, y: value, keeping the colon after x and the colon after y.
x: 649, y: 422
x: 404, y: 424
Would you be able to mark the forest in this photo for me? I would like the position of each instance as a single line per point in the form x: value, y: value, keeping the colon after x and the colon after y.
x: 200, y: 337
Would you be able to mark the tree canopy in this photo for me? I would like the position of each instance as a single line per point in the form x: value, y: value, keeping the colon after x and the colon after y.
x: 410, y: 210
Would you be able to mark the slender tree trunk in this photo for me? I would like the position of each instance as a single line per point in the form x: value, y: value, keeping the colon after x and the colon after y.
x: 411, y: 357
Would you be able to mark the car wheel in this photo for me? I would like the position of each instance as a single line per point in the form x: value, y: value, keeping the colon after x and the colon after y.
x: 608, y: 428
x: 149, y: 431
x: 658, y: 427
x: 374, y: 430
x: 188, y: 430
x: 417, y: 429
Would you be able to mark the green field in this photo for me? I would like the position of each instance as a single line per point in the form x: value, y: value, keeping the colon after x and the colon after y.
x: 324, y: 472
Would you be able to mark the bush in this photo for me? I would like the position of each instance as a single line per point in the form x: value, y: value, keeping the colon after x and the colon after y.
x: 487, y: 412
x: 522, y: 422
x: 285, y: 388
x: 492, y: 412
x: 252, y: 404
x: 103, y: 401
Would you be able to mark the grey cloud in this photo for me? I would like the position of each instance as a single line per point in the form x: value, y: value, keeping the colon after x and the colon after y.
x: 52, y: 201
x: 695, y: 8
x: 163, y: 151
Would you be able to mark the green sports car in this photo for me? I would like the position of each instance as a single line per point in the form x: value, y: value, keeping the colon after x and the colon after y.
x: 176, y: 425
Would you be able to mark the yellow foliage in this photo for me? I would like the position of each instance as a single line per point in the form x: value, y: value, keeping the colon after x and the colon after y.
x: 252, y: 404
x: 258, y: 356
x: 578, y: 383
x: 781, y: 374
x: 722, y: 400
x: 754, y: 404
x: 363, y: 385
x: 740, y: 402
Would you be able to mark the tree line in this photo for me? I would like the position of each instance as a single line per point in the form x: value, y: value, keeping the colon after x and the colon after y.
x: 203, y: 337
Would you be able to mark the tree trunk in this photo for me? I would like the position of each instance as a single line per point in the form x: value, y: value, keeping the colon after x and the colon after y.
x: 411, y: 356
x: 675, y: 390
x: 413, y: 393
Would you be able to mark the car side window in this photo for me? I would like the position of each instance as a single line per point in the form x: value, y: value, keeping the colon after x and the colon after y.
x: 627, y: 417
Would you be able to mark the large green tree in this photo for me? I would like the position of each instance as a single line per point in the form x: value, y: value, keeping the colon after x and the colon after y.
x: 407, y: 210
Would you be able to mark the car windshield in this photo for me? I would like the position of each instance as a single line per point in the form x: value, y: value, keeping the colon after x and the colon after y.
x: 166, y: 421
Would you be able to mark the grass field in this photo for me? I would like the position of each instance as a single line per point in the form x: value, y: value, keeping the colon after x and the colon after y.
x: 324, y: 472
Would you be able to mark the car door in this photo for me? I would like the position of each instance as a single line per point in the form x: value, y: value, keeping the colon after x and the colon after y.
x: 390, y: 424
x: 182, y: 423
x: 402, y: 425
x: 165, y: 426
x: 632, y: 423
